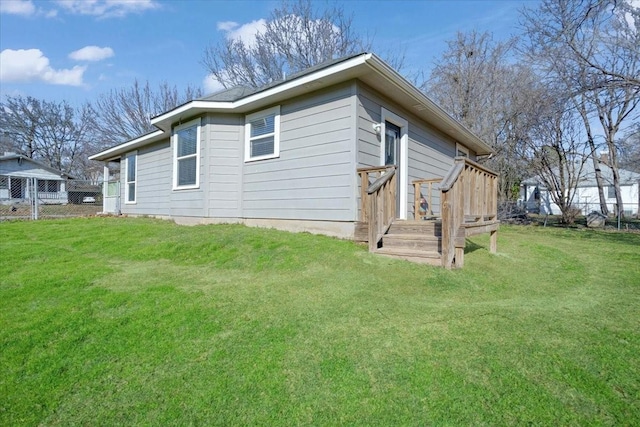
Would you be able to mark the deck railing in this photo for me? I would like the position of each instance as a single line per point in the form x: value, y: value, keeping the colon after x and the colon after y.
x: 469, y: 206
x: 423, y: 200
x: 378, y: 201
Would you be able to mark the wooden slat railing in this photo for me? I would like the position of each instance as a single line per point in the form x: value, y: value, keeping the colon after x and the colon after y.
x: 469, y: 206
x: 378, y: 201
x: 420, y: 211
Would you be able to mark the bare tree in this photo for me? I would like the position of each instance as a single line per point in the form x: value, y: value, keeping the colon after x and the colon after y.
x: 51, y: 132
x: 125, y: 113
x: 591, y: 33
x: 556, y: 155
x: 591, y: 47
x: 296, y: 36
x: 479, y: 85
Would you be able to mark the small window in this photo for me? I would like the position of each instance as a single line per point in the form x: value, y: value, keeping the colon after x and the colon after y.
x: 461, y: 150
x: 611, y: 192
x: 262, y: 135
x: 186, y: 141
x: 131, y: 172
x: 4, y: 182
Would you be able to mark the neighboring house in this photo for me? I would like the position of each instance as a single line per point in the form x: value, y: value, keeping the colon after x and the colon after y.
x: 535, y: 197
x: 21, y: 177
x: 286, y: 156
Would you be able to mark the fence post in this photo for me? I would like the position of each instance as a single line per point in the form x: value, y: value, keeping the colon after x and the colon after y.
x: 34, y: 198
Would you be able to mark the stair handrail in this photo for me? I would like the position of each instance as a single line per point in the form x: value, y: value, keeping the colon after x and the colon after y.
x: 381, y: 209
x: 366, y: 173
x: 469, y: 198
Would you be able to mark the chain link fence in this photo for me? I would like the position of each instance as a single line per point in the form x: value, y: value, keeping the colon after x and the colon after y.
x: 28, y: 198
x: 629, y: 210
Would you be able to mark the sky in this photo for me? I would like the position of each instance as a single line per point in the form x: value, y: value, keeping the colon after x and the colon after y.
x: 76, y: 50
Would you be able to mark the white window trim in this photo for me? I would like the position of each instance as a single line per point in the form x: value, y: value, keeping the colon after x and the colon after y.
x: 276, y: 134
x: 174, y: 142
x: 126, y: 179
x: 460, y: 147
x: 403, y: 173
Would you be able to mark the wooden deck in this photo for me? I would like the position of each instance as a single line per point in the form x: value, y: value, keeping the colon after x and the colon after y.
x: 466, y: 205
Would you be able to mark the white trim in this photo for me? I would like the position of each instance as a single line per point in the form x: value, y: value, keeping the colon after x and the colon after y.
x: 304, y: 80
x: 461, y: 148
x: 275, y: 111
x: 174, y: 142
x: 133, y: 154
x: 403, y: 172
x: 134, y: 143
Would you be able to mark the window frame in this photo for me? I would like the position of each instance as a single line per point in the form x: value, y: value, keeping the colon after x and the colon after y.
x: 462, y: 149
x: 275, y: 111
x: 127, y: 181
x: 174, y: 141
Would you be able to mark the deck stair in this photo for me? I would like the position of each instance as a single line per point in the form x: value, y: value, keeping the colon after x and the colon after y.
x: 417, y: 241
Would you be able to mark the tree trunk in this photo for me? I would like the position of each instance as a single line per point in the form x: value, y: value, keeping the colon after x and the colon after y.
x: 582, y: 109
x: 599, y: 181
x: 616, y: 178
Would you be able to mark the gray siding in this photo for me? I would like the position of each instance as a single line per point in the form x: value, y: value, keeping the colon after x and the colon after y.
x: 430, y: 152
x: 153, y: 181
x: 324, y: 137
x: 313, y: 178
x: 224, y: 172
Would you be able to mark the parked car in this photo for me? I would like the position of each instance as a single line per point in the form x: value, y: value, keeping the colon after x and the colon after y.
x: 88, y: 199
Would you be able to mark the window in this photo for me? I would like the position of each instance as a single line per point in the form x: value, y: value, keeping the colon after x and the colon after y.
x: 461, y: 150
x: 4, y: 182
x: 131, y: 172
x: 611, y: 192
x: 186, y: 149
x: 47, y: 186
x: 262, y: 135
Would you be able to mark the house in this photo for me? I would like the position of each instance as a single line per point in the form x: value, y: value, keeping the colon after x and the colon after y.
x: 297, y: 155
x: 535, y: 197
x: 22, y: 179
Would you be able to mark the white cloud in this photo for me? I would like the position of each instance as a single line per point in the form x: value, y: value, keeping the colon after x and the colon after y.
x: 246, y: 32
x: 226, y: 25
x: 107, y: 8
x: 211, y: 85
x: 17, y: 7
x: 92, y: 53
x: 29, y: 65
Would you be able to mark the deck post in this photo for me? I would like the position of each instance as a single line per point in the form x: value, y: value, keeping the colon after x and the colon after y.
x: 373, y: 222
x: 493, y: 245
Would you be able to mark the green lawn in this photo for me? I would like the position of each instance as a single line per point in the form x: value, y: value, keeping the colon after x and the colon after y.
x: 107, y: 321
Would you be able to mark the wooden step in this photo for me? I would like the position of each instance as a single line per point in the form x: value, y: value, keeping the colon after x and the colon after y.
x: 413, y: 255
x: 433, y: 228
x: 423, y: 242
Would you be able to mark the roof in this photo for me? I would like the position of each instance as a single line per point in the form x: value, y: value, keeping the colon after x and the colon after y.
x: 55, y: 172
x: 588, y: 176
x: 230, y: 95
x: 365, y: 67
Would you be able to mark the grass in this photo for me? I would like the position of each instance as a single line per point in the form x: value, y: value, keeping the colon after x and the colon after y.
x: 107, y: 321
